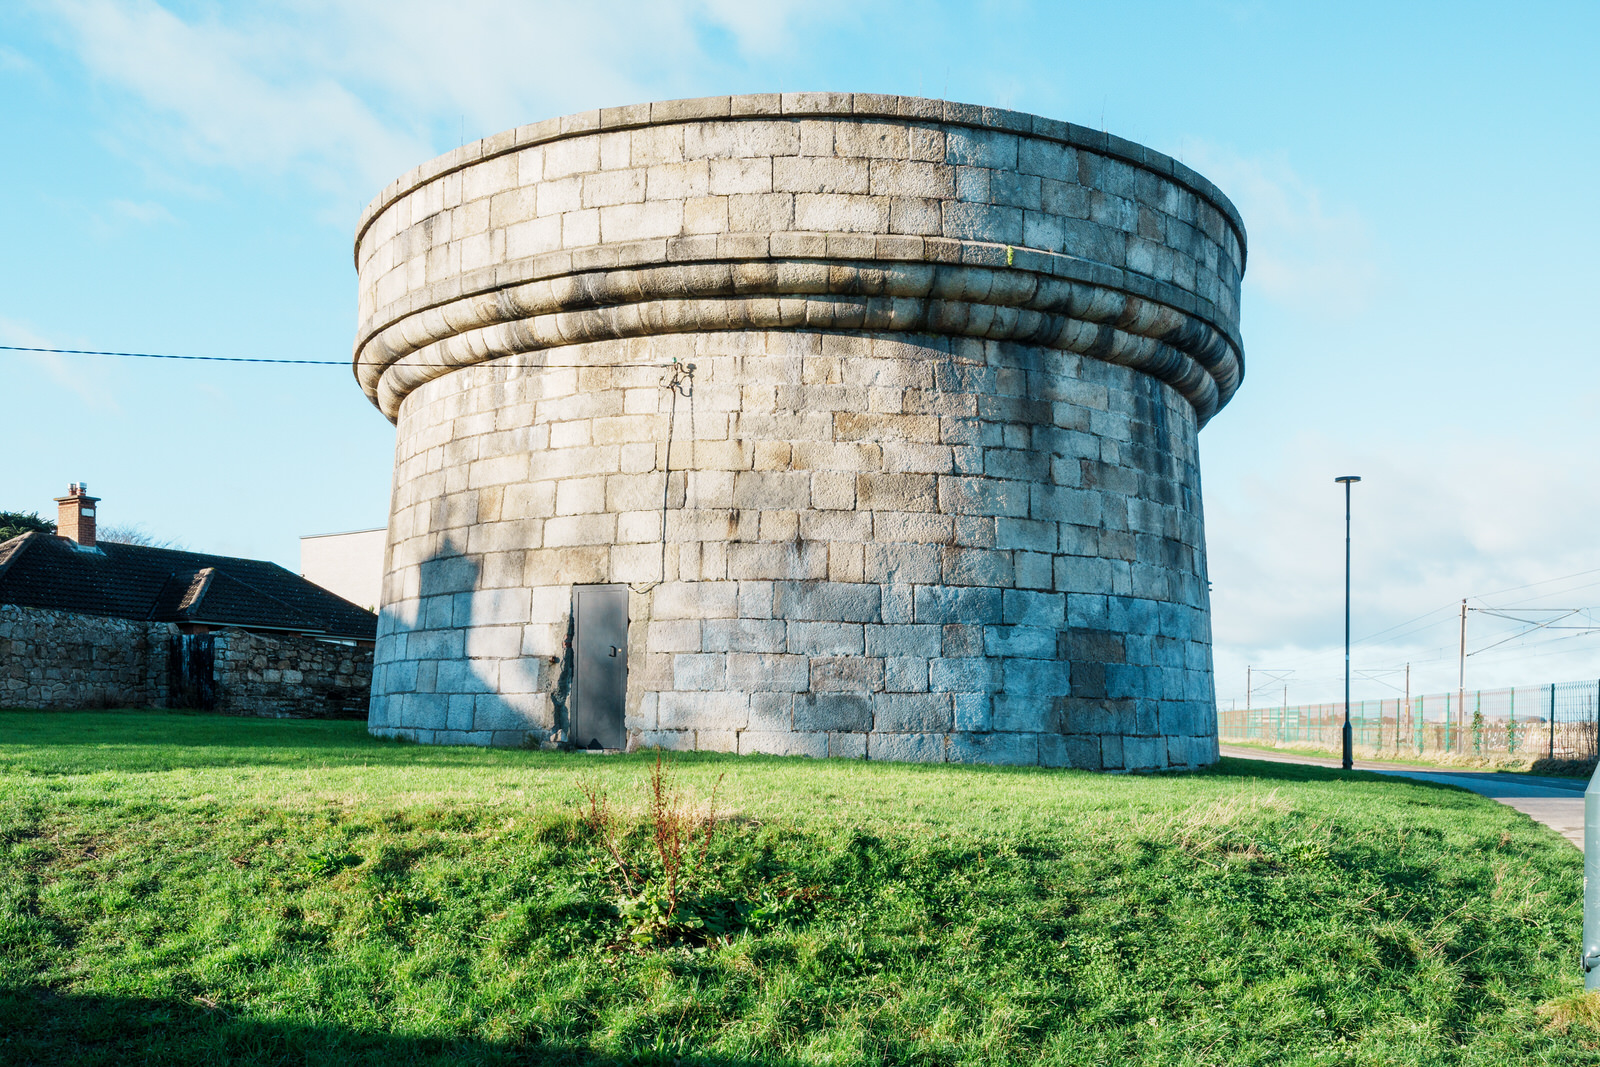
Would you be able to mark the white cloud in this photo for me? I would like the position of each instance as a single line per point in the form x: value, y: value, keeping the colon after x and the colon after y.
x: 238, y: 95
x: 14, y: 61
x: 143, y: 211
x: 354, y: 92
x: 1306, y: 253
x: 69, y: 373
x: 1455, y: 515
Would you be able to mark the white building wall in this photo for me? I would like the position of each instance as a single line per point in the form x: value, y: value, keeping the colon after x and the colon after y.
x: 347, y: 564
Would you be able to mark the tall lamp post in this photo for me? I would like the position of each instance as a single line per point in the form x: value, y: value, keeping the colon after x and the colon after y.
x: 1349, y: 759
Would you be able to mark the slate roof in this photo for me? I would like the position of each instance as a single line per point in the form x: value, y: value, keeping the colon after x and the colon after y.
x: 39, y: 570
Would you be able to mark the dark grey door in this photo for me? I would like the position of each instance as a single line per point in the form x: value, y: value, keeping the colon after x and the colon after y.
x: 191, y: 671
x: 600, y: 681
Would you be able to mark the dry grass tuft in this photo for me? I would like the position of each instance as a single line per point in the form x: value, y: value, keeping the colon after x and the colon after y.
x: 1579, y: 1009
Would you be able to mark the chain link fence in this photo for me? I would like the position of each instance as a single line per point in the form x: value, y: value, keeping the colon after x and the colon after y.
x: 1560, y: 720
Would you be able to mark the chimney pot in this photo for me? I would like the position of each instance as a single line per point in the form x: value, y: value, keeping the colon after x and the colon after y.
x: 75, y: 514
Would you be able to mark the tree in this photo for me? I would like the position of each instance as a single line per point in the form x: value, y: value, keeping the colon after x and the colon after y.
x: 135, y: 534
x: 17, y: 523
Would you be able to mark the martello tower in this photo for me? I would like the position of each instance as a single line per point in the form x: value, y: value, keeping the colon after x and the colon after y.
x: 818, y: 423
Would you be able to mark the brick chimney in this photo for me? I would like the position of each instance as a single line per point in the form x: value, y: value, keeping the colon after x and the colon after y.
x: 75, y: 514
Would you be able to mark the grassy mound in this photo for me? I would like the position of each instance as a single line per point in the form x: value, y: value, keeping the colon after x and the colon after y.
x: 189, y: 889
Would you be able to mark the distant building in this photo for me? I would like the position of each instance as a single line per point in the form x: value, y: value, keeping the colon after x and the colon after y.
x: 85, y: 622
x: 350, y: 564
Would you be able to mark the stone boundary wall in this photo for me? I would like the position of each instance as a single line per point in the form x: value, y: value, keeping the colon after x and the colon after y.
x: 64, y: 660
x: 291, y: 676
x: 60, y: 659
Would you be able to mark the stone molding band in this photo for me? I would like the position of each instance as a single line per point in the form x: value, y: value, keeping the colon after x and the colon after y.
x: 1096, y: 320
x: 905, y: 109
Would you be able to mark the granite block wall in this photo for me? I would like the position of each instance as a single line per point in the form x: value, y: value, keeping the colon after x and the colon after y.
x: 885, y: 410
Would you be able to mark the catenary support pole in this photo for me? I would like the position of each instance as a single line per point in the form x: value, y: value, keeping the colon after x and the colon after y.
x: 1461, y: 677
x: 1410, y: 712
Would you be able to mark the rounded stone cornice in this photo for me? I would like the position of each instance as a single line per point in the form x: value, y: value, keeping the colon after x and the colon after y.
x: 802, y: 106
x: 1047, y: 300
x: 802, y: 211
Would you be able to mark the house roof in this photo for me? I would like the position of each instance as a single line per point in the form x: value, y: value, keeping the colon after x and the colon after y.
x: 39, y: 570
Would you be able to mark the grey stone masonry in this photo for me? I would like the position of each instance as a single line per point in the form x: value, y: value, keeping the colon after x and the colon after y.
x: 291, y: 676
x: 930, y: 492
x: 62, y: 659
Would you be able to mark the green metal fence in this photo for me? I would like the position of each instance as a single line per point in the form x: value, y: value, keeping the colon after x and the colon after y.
x: 1560, y: 720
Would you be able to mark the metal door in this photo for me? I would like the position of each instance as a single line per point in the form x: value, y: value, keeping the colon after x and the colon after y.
x: 600, y: 677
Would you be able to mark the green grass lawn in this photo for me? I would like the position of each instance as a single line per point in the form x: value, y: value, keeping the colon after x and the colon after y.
x: 189, y: 889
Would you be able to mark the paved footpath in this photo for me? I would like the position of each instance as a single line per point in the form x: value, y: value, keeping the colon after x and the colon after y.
x: 1556, y: 802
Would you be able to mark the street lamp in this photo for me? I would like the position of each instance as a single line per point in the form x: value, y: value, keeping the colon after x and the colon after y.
x: 1349, y: 760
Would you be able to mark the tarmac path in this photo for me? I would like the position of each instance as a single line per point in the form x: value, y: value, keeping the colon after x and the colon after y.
x: 1556, y: 802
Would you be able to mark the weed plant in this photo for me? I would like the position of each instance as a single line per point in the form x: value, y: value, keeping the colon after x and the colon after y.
x: 187, y: 889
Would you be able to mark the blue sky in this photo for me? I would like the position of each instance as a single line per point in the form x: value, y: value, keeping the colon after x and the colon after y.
x: 1417, y: 180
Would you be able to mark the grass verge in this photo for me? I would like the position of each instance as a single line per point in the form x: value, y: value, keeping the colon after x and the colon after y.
x: 188, y: 889
x: 1540, y: 766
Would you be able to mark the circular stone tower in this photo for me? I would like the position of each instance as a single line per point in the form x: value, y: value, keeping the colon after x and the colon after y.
x: 819, y: 423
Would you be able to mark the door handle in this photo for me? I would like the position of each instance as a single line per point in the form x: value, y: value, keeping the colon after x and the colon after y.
x: 614, y: 651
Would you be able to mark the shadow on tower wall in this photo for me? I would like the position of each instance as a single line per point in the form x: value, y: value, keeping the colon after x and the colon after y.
x: 458, y: 660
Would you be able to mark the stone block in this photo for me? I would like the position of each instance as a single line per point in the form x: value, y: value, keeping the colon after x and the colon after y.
x: 858, y: 674
x: 1144, y: 753
x: 824, y: 638
x: 1078, y: 751
x: 700, y: 671
x: 833, y: 711
x: 905, y: 674
x: 1023, y: 712
x: 788, y: 743
x: 923, y: 641
x: 975, y: 566
x: 1001, y: 749
x: 906, y: 748
x: 771, y: 712
x: 911, y: 712
x: 847, y: 746
x: 983, y: 496
x: 667, y: 740
x: 744, y: 635
x: 1027, y: 642
x: 970, y: 605
x: 899, y: 527
x: 695, y: 600
x: 1034, y: 609
x: 972, y: 712
x: 976, y: 674
x: 1041, y: 678
x: 767, y: 672
x: 826, y: 601
x: 721, y: 710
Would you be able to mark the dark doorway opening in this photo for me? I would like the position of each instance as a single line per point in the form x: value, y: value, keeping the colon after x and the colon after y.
x: 600, y: 652
x: 191, y: 678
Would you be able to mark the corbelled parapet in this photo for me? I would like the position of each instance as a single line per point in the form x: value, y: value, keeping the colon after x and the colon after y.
x: 877, y: 415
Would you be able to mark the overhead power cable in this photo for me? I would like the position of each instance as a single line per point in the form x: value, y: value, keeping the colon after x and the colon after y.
x: 300, y: 362
x: 168, y: 355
